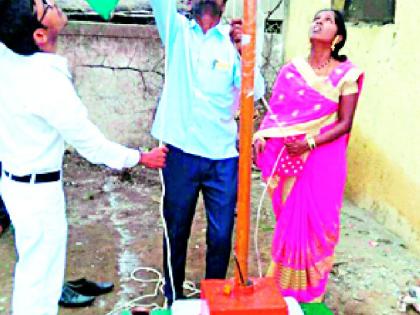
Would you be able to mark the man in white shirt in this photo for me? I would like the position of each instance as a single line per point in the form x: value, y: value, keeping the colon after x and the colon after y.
x: 39, y: 110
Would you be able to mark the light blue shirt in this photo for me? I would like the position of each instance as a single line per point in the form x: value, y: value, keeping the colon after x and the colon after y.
x: 200, y: 97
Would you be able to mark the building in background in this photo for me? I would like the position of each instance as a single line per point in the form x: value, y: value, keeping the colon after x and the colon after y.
x: 118, y: 68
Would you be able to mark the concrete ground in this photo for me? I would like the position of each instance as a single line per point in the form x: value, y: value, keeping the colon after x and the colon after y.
x: 115, y: 227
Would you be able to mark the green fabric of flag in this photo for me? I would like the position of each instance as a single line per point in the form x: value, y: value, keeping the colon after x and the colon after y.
x: 103, y: 7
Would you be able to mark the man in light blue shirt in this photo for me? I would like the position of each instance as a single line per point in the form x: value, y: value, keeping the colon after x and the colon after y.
x: 195, y: 118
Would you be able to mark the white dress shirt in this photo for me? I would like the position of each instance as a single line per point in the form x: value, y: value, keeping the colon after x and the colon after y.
x: 40, y: 110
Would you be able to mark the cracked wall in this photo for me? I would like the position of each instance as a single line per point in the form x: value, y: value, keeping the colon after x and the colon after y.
x: 118, y: 72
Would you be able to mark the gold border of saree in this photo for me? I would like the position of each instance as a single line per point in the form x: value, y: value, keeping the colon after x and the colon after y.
x: 297, y: 279
x: 321, y: 84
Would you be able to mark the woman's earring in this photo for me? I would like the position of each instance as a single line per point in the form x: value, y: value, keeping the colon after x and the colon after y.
x: 335, y: 42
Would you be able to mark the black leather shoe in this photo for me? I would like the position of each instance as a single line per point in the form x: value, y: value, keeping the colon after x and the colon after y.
x: 4, y: 217
x: 70, y: 298
x: 90, y: 288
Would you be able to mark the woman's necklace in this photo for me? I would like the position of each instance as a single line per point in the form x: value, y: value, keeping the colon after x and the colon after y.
x: 322, y: 65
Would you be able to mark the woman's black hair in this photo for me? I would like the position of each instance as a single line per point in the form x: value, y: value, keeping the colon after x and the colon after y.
x: 341, y: 30
x: 17, y: 26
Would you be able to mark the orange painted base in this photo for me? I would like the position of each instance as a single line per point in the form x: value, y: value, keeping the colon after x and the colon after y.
x: 222, y: 297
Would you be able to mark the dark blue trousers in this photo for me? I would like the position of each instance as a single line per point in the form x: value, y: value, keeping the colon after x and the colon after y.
x: 185, y: 175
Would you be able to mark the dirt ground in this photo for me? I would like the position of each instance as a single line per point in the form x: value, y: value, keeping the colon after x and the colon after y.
x: 115, y: 227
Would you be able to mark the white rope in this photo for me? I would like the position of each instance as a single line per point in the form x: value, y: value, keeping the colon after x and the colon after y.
x: 188, y: 285
x: 257, y: 224
x: 161, y: 207
x: 257, y: 251
x: 159, y: 281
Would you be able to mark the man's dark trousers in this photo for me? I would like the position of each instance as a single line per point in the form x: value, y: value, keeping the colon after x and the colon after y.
x: 185, y: 175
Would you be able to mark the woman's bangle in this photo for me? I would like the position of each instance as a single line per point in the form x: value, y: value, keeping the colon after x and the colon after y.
x: 311, y: 142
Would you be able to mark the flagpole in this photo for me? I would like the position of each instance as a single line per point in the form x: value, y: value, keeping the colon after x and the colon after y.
x: 245, y: 142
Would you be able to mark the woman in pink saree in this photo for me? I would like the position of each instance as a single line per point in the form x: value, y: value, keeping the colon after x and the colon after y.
x: 301, y: 151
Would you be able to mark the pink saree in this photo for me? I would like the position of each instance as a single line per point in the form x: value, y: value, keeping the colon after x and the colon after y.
x: 307, y: 205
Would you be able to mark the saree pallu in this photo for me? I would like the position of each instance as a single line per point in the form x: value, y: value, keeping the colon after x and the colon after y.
x: 306, y: 206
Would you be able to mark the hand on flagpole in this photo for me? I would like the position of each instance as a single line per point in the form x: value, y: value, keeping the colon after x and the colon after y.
x: 236, y: 31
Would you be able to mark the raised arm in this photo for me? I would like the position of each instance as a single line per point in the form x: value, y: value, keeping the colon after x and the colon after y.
x: 167, y: 19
